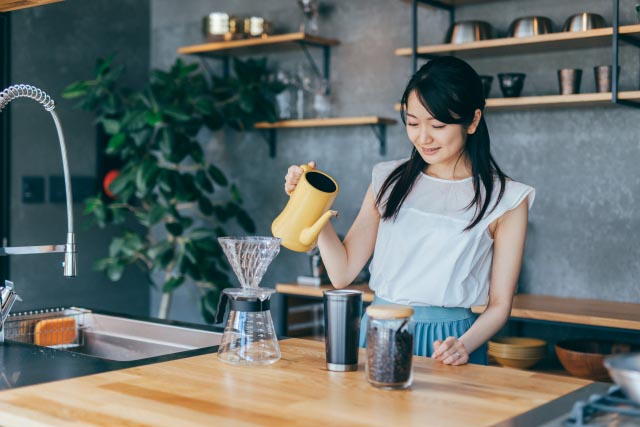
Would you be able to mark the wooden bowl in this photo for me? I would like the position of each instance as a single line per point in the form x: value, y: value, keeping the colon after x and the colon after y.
x: 517, y: 347
x: 584, y: 358
x: 517, y: 363
x: 517, y: 352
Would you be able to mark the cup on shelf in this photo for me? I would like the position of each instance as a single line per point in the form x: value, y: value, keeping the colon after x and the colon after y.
x: 511, y: 84
x: 569, y: 80
x: 322, y: 100
x: 486, y: 85
x: 602, y: 75
x: 218, y: 26
x: 256, y: 26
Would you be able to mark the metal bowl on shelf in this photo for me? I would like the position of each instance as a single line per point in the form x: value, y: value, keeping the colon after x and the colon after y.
x: 529, y: 26
x: 625, y: 371
x: 469, y: 31
x: 583, y: 22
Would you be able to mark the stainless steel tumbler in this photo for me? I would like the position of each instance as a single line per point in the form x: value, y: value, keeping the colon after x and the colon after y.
x: 569, y: 80
x: 342, y: 313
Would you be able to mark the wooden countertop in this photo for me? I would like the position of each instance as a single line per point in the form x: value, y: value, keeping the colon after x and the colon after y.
x: 610, y: 314
x: 316, y: 291
x: 295, y: 391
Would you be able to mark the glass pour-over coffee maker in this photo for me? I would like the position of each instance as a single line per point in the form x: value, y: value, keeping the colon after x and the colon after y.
x: 249, y: 336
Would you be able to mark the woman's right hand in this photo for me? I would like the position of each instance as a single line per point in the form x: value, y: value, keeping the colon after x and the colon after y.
x: 293, y: 176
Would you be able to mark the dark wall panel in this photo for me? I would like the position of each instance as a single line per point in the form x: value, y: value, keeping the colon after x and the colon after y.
x: 53, y: 46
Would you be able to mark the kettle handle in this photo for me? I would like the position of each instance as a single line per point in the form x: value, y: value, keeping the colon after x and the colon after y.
x: 305, y: 169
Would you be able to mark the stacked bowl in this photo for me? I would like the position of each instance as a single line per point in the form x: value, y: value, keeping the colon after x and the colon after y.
x: 585, y: 358
x: 517, y: 352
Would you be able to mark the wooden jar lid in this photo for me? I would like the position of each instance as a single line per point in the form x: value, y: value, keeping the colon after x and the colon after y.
x: 389, y: 311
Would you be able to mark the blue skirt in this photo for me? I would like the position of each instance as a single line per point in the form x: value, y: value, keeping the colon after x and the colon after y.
x: 433, y: 324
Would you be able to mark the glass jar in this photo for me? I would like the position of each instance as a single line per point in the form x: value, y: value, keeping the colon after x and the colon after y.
x: 389, y: 346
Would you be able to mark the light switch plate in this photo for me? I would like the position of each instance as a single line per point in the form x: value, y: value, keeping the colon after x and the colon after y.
x: 82, y: 187
x: 33, y: 189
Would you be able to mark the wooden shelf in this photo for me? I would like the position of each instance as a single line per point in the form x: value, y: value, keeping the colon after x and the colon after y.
x: 512, y: 45
x: 378, y: 124
x: 556, y: 101
x: 9, y: 5
x: 452, y: 3
x: 608, y: 314
x: 578, y: 100
x: 276, y: 41
x: 335, y: 121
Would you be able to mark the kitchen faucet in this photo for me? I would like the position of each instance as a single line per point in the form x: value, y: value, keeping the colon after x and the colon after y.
x: 7, y: 293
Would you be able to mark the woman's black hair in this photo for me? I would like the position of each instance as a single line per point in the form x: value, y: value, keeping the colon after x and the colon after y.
x: 451, y: 91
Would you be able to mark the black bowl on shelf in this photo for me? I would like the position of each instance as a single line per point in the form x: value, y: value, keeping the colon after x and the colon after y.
x: 511, y: 84
x: 486, y: 85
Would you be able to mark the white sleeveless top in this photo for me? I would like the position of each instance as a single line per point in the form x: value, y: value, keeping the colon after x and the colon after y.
x: 424, y: 257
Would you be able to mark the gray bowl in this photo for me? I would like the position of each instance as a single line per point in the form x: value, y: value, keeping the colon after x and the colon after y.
x: 469, y: 31
x: 625, y: 371
x: 530, y: 26
x: 583, y: 22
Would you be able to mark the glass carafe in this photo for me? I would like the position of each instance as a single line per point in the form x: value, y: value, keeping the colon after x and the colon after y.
x: 249, y: 336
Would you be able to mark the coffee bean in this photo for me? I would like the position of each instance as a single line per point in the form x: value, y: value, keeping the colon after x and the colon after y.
x: 389, y: 354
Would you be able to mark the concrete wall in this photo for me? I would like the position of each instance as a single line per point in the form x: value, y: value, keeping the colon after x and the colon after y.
x: 584, y: 226
x: 53, y: 46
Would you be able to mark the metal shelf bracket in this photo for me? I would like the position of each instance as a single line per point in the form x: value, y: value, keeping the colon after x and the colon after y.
x: 414, y: 26
x: 270, y: 136
x: 380, y: 131
x: 326, y: 61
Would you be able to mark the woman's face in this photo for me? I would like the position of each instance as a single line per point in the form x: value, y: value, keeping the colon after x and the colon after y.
x: 437, y: 142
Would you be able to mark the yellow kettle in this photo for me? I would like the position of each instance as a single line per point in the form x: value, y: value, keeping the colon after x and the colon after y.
x: 307, y: 210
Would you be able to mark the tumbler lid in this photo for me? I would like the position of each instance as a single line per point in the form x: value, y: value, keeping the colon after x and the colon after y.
x: 389, y: 311
x: 342, y: 293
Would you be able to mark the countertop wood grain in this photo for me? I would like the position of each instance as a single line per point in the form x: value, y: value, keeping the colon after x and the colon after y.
x: 295, y: 391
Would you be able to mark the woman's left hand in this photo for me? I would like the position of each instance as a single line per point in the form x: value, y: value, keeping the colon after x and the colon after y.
x: 450, y: 352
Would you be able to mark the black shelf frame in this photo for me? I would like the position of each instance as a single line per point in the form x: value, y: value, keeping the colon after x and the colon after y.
x: 615, y: 43
x: 271, y: 137
x: 323, y: 72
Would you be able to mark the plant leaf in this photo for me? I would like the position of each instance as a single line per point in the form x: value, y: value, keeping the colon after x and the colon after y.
x: 172, y: 284
x: 203, y: 181
x: 217, y: 176
x: 115, y: 143
x: 205, y: 206
x: 175, y: 228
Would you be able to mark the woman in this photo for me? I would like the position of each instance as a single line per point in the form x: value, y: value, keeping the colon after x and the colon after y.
x: 446, y: 227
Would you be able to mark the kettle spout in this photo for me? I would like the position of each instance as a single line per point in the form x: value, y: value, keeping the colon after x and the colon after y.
x: 310, y: 234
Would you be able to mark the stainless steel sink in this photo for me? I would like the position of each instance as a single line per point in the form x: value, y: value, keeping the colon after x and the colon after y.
x: 112, y: 337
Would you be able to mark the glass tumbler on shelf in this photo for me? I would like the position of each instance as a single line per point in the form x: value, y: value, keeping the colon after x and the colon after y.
x: 306, y: 86
x: 285, y: 100
x: 310, y: 11
x: 389, y: 346
x: 322, y: 100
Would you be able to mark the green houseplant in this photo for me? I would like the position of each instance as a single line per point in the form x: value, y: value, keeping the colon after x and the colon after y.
x: 168, y: 200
